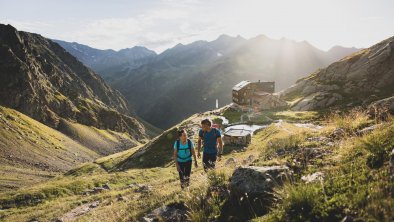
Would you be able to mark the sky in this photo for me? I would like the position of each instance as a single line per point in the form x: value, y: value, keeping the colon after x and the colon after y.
x: 161, y: 24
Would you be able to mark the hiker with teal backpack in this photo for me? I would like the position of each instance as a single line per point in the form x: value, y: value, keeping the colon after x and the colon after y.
x: 183, y: 151
x: 212, y: 143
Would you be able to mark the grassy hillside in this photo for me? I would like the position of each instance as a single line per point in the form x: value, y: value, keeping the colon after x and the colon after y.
x: 356, y: 182
x: 31, y: 152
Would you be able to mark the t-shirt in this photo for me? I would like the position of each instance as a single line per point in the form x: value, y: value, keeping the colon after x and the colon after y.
x: 210, y: 140
x: 184, y: 154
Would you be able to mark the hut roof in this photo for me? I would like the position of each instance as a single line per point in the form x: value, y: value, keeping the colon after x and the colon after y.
x: 238, y: 132
x: 241, y: 85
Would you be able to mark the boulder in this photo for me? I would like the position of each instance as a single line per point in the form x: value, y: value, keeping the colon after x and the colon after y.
x: 382, y: 108
x: 255, y: 180
x: 251, y: 191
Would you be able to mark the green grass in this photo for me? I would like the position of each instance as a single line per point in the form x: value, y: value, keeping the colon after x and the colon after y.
x: 350, y: 121
x: 352, y: 187
x: 233, y: 116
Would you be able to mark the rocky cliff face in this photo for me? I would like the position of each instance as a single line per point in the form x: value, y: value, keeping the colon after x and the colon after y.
x: 358, y: 79
x: 40, y: 79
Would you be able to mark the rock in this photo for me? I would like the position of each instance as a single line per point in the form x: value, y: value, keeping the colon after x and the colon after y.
x: 338, y: 133
x: 80, y: 210
x: 121, y: 198
x: 255, y: 180
x: 141, y: 188
x: 251, y: 190
x: 367, y: 130
x: 321, y: 139
x: 171, y: 212
x: 11, y: 117
x: 381, y: 108
x: 231, y: 162
x: 310, y: 178
x: 95, y: 190
x: 106, y: 186
x: 356, y: 77
x: 248, y: 160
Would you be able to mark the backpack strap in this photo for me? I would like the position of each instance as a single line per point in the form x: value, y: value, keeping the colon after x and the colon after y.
x: 178, y: 145
x: 214, y: 132
x: 189, y: 147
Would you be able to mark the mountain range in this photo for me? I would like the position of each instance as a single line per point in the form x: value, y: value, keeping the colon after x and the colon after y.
x: 189, y: 78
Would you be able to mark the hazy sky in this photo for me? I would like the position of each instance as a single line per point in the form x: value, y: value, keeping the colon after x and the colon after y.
x: 159, y: 24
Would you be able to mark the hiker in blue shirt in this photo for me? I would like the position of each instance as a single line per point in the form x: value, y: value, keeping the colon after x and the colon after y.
x: 183, y: 151
x: 213, y: 145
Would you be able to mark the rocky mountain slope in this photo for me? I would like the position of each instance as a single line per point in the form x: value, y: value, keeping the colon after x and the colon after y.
x: 193, y: 76
x: 357, y: 79
x: 55, y: 113
x: 42, y: 80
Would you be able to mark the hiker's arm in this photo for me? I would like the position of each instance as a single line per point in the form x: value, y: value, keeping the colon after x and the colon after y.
x: 195, y: 158
x: 175, y: 159
x: 199, y: 145
x: 220, y: 147
x: 194, y: 154
x: 175, y: 155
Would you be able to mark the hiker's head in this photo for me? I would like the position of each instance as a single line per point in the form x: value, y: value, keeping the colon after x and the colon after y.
x: 206, y: 124
x: 182, y: 134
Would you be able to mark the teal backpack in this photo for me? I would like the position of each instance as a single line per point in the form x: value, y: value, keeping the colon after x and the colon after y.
x: 189, y: 147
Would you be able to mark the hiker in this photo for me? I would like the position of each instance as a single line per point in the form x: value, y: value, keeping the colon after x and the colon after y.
x: 183, y: 151
x: 213, y: 145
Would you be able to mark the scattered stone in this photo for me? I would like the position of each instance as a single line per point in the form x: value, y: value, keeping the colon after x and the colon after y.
x: 171, y: 212
x: 106, y: 186
x: 144, y: 189
x: 338, y: 133
x: 310, y: 178
x: 121, y: 198
x: 248, y: 160
x: 10, y: 117
x: 321, y: 139
x: 141, y: 188
x: 367, y: 130
x: 80, y: 210
x: 231, y: 162
x: 98, y: 189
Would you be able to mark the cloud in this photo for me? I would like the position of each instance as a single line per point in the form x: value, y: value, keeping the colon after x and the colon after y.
x: 157, y: 29
x: 28, y: 26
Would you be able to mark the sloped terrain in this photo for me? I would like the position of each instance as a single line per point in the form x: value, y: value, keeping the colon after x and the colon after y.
x: 357, y: 79
x: 336, y: 173
x: 42, y: 80
x: 31, y: 152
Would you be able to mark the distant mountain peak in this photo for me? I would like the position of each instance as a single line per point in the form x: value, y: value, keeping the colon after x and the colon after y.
x: 338, y: 47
